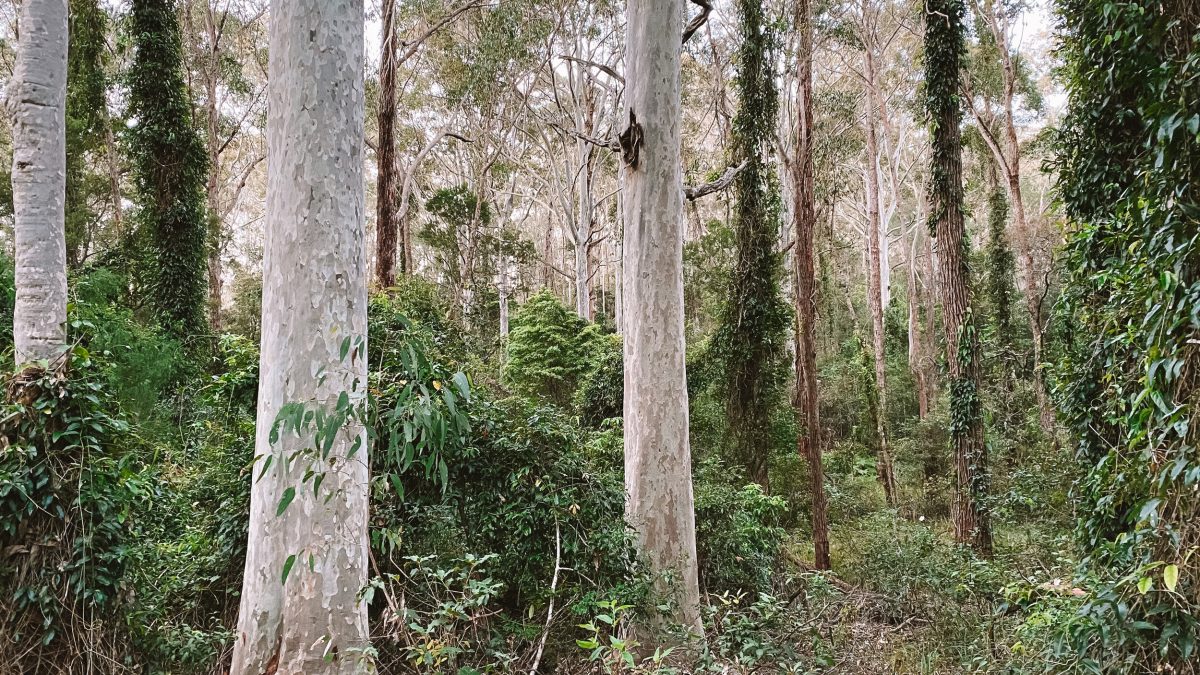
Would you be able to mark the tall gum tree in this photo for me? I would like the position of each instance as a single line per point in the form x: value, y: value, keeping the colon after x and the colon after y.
x: 751, y: 339
x: 37, y: 102
x: 944, y: 46
x: 315, y: 304
x: 804, y: 212
x: 1000, y: 20
x: 658, y: 463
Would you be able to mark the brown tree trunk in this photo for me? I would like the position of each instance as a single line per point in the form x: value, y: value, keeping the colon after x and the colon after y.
x: 944, y: 38
x: 916, y: 338
x: 385, y: 192
x: 807, y: 404
x: 213, y: 187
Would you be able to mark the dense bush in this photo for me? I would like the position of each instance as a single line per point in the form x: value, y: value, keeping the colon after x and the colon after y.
x: 67, y: 486
x: 550, y: 350
x: 1128, y: 156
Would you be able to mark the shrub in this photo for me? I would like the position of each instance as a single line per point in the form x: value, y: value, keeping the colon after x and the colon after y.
x: 67, y: 486
x: 549, y: 351
x: 738, y: 536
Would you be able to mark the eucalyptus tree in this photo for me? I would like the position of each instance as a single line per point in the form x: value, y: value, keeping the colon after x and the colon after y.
x: 37, y: 101
x: 808, y: 408
x: 999, y: 18
x: 658, y: 463
x: 944, y: 48
x: 307, y: 556
x: 170, y: 170
x: 750, y: 340
x: 226, y: 71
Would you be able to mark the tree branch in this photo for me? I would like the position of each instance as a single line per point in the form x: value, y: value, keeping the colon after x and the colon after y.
x: 699, y: 20
x: 697, y: 191
x: 607, y: 70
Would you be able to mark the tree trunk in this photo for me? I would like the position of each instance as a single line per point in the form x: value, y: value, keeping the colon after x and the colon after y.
x: 385, y: 199
x: 1029, y: 284
x: 314, y: 300
x: 1010, y: 161
x: 804, y: 212
x: 37, y: 101
x: 582, y: 240
x: 876, y: 240
x: 658, y: 464
x: 212, y: 189
x: 916, y: 338
x: 944, y: 48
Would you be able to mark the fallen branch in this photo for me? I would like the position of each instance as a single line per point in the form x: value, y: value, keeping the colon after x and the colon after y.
x: 537, y: 657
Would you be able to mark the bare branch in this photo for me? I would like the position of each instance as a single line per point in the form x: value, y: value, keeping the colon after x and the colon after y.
x: 699, y: 20
x: 697, y: 191
x: 607, y: 70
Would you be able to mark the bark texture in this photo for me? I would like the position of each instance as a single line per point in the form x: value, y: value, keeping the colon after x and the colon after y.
x: 944, y: 49
x: 876, y: 279
x: 37, y: 99
x: 807, y: 404
x: 315, y: 299
x: 658, y: 464
x: 386, y: 232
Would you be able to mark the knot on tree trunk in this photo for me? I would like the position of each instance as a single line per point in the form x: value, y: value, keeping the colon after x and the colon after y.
x: 630, y: 141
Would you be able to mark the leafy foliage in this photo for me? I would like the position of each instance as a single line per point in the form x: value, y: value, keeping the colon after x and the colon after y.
x: 170, y: 169
x: 1129, y: 166
x: 66, y: 486
x: 549, y: 350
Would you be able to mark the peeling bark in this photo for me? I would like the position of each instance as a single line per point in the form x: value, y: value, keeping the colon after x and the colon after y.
x: 658, y: 475
x: 314, y: 298
x: 37, y: 98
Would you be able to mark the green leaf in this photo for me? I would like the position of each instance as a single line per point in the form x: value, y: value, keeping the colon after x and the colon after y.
x: 1144, y: 585
x: 288, y: 495
x: 287, y: 567
x: 1171, y: 577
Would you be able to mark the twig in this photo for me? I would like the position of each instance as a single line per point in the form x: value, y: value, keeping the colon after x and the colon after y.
x: 537, y: 657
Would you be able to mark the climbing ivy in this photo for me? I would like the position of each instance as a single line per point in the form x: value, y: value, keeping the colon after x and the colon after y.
x: 1128, y: 159
x: 944, y: 50
x: 751, y: 339
x: 87, y: 121
x: 170, y: 169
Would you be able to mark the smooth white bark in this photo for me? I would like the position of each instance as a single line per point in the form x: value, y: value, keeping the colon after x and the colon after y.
x: 658, y: 467
x: 314, y: 298
x: 37, y: 102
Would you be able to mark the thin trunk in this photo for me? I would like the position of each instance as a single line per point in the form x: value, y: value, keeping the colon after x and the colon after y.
x: 37, y: 102
x: 944, y: 47
x: 1010, y: 160
x: 385, y: 200
x: 916, y: 338
x: 212, y: 188
x: 875, y: 242
x: 658, y: 463
x: 314, y: 300
x: 582, y: 240
x: 804, y: 212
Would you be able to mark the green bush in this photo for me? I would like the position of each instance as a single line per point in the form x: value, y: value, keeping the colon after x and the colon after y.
x: 550, y: 350
x: 67, y: 488
x: 738, y: 537
x: 601, y: 396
